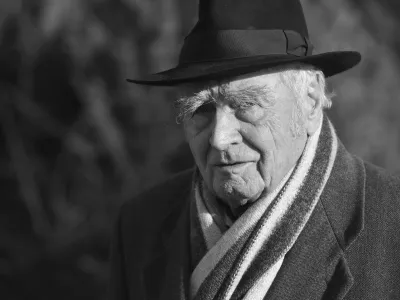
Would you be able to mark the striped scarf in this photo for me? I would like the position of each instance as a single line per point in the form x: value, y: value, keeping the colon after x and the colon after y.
x: 242, y: 262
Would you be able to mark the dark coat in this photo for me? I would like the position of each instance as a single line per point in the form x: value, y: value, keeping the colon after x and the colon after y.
x: 349, y: 249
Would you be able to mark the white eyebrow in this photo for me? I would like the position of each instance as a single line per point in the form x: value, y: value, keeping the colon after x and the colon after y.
x: 253, y: 94
x: 187, y: 105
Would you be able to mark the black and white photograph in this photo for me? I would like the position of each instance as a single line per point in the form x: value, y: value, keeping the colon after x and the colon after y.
x: 199, y: 150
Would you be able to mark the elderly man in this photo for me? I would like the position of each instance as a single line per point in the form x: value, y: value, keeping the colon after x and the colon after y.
x: 276, y: 208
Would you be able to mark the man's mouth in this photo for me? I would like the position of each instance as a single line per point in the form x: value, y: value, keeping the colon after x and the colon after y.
x: 232, y: 165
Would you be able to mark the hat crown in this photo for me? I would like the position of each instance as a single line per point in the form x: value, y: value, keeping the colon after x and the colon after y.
x: 236, y: 37
x: 251, y: 14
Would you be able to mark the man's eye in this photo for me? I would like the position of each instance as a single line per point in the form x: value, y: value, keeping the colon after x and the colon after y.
x: 249, y: 111
x: 245, y: 105
x: 205, y: 109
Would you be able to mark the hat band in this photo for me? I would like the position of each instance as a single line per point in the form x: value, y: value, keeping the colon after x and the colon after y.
x: 204, y: 46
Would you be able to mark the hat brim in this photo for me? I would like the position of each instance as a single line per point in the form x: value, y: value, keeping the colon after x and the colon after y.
x: 330, y: 63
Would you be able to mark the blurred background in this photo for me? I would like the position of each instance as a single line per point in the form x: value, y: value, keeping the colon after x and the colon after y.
x: 76, y: 140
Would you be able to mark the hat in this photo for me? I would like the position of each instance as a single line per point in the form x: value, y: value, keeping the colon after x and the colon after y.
x: 236, y: 37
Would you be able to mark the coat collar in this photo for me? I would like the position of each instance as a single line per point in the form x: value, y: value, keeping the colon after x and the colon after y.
x: 315, y: 267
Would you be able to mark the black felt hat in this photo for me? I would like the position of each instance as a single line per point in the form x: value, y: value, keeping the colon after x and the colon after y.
x: 236, y: 37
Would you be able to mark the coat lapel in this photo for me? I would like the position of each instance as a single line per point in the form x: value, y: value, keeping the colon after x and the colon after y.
x: 316, y: 267
x: 306, y: 267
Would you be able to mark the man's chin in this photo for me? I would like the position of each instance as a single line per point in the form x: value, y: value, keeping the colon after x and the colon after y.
x: 237, y: 203
x: 236, y: 196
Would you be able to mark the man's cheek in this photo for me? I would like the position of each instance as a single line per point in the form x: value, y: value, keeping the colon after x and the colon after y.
x: 265, y: 168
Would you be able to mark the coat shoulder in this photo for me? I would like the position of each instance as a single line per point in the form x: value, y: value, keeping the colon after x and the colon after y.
x: 161, y: 195
x: 382, y: 204
x: 382, y: 201
x: 382, y: 184
x: 138, y: 232
x: 147, y: 212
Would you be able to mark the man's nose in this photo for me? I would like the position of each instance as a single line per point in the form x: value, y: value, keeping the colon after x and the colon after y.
x: 225, y: 130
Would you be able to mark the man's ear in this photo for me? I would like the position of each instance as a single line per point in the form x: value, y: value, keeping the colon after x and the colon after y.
x: 313, y: 111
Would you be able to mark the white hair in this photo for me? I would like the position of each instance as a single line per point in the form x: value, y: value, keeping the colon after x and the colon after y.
x: 297, y: 77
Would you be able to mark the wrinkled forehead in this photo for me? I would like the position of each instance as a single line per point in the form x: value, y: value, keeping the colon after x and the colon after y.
x: 258, y: 83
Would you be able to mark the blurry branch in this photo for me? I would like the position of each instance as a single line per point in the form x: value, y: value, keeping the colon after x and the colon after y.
x: 24, y: 170
x: 166, y: 46
x: 55, y: 15
x: 145, y: 10
x: 8, y: 7
x: 98, y: 114
x: 37, y: 115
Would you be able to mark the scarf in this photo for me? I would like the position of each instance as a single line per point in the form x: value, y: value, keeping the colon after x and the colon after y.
x: 242, y: 262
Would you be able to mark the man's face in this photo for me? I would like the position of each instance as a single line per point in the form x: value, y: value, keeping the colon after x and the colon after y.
x: 241, y: 136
